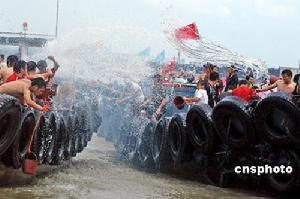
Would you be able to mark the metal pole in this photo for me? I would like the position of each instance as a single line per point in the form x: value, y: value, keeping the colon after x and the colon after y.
x: 57, y: 9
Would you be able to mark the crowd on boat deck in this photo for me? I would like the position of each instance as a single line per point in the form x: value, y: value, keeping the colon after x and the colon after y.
x: 30, y: 82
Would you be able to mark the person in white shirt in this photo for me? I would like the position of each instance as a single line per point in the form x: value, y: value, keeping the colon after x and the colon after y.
x: 201, y: 96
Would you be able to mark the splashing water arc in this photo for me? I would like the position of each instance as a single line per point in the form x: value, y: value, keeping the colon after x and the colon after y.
x: 202, y: 50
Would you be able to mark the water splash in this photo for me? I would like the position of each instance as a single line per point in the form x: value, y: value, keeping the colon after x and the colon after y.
x: 204, y: 50
x: 90, y: 54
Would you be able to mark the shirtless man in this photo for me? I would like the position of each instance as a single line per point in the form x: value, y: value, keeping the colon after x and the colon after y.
x: 6, y: 72
x: 284, y: 85
x: 25, y: 90
x: 42, y: 65
x: 31, y: 70
x: 20, y: 71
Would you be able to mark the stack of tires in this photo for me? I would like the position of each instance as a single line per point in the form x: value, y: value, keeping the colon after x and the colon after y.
x: 277, y: 121
x: 60, y: 135
x: 233, y: 133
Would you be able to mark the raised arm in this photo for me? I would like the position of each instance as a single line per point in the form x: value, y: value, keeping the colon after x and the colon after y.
x: 56, y: 65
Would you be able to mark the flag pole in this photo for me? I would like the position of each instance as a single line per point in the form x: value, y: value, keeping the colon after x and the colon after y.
x: 178, y: 57
x: 56, y: 27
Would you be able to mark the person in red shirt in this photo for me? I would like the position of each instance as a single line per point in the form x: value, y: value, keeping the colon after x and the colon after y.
x: 20, y: 71
x: 243, y: 91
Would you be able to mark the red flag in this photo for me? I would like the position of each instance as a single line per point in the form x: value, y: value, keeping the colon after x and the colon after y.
x: 187, y: 32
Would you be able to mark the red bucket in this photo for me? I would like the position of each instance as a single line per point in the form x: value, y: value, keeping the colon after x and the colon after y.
x: 179, y: 102
x: 30, y: 164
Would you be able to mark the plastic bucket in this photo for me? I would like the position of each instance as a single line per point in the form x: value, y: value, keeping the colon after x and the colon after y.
x: 30, y: 164
x: 179, y: 102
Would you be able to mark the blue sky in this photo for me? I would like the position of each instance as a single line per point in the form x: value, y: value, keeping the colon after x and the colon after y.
x: 266, y: 29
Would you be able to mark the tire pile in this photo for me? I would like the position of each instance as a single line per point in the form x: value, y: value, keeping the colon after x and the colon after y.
x: 60, y: 134
x: 233, y: 133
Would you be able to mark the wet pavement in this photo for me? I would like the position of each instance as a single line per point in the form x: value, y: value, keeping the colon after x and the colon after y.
x: 97, y: 173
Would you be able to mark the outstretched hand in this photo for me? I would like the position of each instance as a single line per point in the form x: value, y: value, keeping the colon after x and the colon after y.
x: 46, y: 107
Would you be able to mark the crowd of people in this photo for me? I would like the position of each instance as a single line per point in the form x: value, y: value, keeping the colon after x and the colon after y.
x: 30, y: 82
x: 211, y: 88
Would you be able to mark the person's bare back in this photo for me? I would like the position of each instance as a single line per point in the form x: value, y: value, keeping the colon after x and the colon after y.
x: 15, y: 88
x: 5, y: 73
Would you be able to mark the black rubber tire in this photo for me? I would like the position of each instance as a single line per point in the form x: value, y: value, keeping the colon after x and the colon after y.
x: 273, y: 115
x: 60, y: 142
x: 217, y: 177
x: 68, y: 140
x: 132, y: 147
x: 82, y: 138
x: 75, y: 135
x: 160, y: 146
x: 218, y: 168
x: 86, y: 140
x: 89, y: 123
x: 86, y: 126
x: 80, y: 143
x: 10, y: 117
x: 17, y: 151
x: 39, y: 144
x: 95, y: 116
x: 51, y: 138
x: 83, y: 126
x: 200, y: 128
x: 285, y: 182
x: 234, y: 123
x: 144, y: 150
x: 180, y: 147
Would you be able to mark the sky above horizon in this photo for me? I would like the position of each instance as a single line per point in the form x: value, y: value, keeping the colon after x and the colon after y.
x: 261, y: 29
